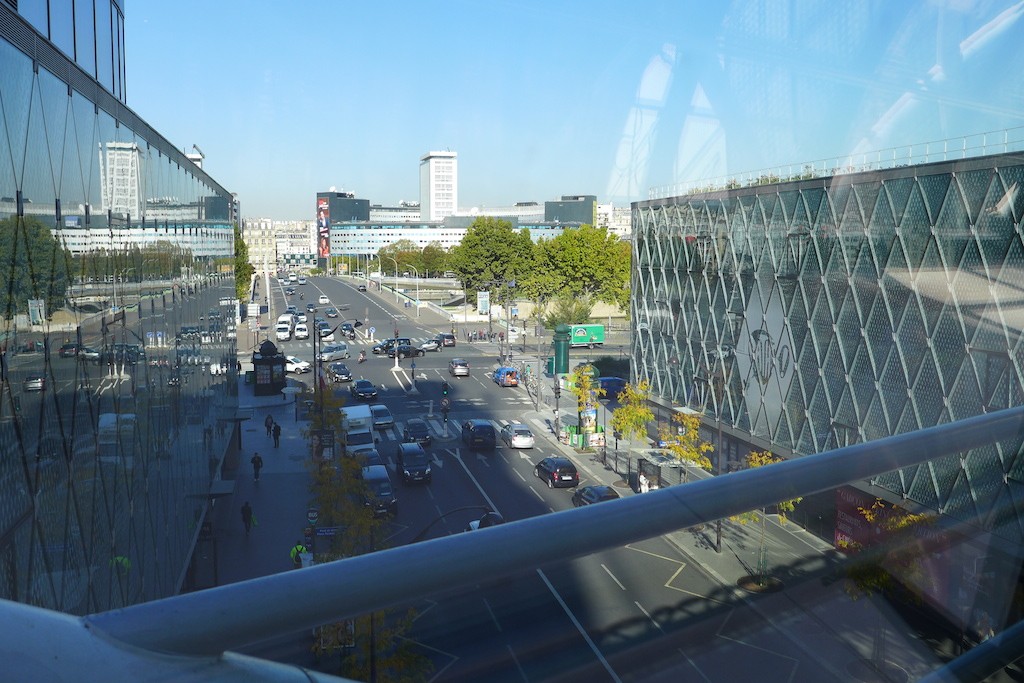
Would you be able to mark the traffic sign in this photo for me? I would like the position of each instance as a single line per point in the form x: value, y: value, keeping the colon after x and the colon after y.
x: 312, y: 515
x: 372, y: 330
x: 446, y: 403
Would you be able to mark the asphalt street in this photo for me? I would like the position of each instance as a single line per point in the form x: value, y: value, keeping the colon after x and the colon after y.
x: 667, y: 608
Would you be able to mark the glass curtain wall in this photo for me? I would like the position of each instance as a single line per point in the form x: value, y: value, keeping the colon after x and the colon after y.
x: 116, y: 258
x: 813, y: 314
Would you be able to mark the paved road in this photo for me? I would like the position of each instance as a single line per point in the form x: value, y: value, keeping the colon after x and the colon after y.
x: 664, y: 609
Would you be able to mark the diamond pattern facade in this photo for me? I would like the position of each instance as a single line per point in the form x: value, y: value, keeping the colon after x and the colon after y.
x: 817, y: 313
x: 112, y: 240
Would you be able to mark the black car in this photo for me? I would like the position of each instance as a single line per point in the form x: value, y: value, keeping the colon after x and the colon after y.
x: 416, y: 431
x: 289, y: 291
x: 446, y: 339
x: 69, y: 350
x: 405, y: 351
x: 386, y: 345
x: 364, y: 389
x: 413, y: 463
x: 588, y: 495
x: 557, y: 472
x: 489, y: 519
x: 347, y: 330
x: 380, y: 495
x: 361, y: 288
x: 478, y: 434
x: 339, y: 372
x: 310, y: 307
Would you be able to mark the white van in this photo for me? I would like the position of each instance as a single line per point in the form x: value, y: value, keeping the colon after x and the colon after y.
x: 358, y: 425
x: 283, y: 331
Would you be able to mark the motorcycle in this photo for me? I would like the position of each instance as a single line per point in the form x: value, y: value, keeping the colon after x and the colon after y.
x: 362, y: 356
x: 302, y: 297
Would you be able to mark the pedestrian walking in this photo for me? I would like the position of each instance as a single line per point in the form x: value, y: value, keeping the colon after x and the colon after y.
x: 257, y: 465
x: 269, y: 424
x: 277, y: 435
x: 645, y: 485
x: 247, y: 517
x: 297, y: 550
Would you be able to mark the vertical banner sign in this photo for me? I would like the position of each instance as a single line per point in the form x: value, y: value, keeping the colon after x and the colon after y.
x: 323, y: 230
x: 483, y: 303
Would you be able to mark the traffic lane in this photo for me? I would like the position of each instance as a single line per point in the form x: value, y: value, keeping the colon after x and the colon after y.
x: 512, y: 630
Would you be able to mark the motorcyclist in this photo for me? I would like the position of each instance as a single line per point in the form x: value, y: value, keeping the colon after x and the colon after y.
x: 302, y: 297
x: 362, y: 356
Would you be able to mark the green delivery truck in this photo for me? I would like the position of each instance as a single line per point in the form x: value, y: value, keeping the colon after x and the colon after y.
x: 586, y: 335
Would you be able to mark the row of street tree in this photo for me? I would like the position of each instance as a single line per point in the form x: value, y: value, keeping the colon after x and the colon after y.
x: 564, y: 276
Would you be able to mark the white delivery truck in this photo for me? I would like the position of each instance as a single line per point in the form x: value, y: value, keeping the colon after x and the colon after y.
x: 357, y: 422
x: 115, y: 438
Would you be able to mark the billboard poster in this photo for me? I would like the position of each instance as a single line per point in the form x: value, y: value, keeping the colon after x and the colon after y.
x: 323, y: 228
x: 36, y: 311
x: 483, y: 303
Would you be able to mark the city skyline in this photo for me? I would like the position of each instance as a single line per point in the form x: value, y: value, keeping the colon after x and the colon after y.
x: 578, y: 99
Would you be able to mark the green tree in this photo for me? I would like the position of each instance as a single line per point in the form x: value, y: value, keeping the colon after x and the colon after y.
x: 589, y: 262
x: 36, y: 264
x: 586, y: 391
x: 404, y: 252
x: 784, y: 509
x: 568, y: 310
x: 491, y: 256
x: 243, y: 269
x: 682, y: 440
x: 433, y: 259
x: 634, y: 413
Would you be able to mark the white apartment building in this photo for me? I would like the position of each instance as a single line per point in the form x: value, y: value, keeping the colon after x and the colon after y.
x: 274, y: 243
x: 405, y: 212
x: 615, y: 219
x: 439, y: 185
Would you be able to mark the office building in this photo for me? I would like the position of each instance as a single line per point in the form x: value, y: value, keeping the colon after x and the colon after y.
x: 108, y: 464
x: 439, y: 185
x: 578, y: 209
x: 808, y: 315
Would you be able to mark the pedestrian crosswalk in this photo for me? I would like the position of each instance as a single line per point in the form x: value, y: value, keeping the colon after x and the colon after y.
x: 360, y: 340
x: 436, y: 426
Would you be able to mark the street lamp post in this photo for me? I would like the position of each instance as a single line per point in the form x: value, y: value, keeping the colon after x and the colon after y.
x: 416, y: 270
x: 395, y: 283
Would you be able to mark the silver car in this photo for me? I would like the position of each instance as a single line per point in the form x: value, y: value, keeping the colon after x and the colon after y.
x: 333, y: 352
x: 516, y: 435
x: 458, y: 367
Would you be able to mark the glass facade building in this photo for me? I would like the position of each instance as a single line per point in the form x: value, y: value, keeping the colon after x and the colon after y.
x: 816, y: 313
x: 116, y: 254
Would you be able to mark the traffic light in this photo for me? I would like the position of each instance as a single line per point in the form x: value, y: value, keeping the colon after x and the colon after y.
x: 444, y: 388
x: 558, y: 391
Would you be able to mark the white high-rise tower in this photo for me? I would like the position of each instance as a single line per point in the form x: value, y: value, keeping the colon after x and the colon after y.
x: 439, y: 185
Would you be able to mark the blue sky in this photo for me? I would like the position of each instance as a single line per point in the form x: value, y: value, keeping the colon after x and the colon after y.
x: 541, y: 99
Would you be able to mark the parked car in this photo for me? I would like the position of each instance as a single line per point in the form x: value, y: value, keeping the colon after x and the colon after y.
x: 412, y: 461
x: 323, y: 300
x: 516, y: 435
x: 488, y: 519
x: 382, y: 417
x: 430, y: 345
x: 404, y: 351
x: 506, y: 377
x: 446, y: 339
x: 588, y: 495
x: 416, y: 430
x: 363, y: 389
x: 613, y: 386
x: 339, y: 372
x: 332, y: 312
x: 34, y: 382
x: 557, y: 472
x: 478, y: 434
x: 458, y: 367
x: 69, y: 350
x: 297, y: 365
